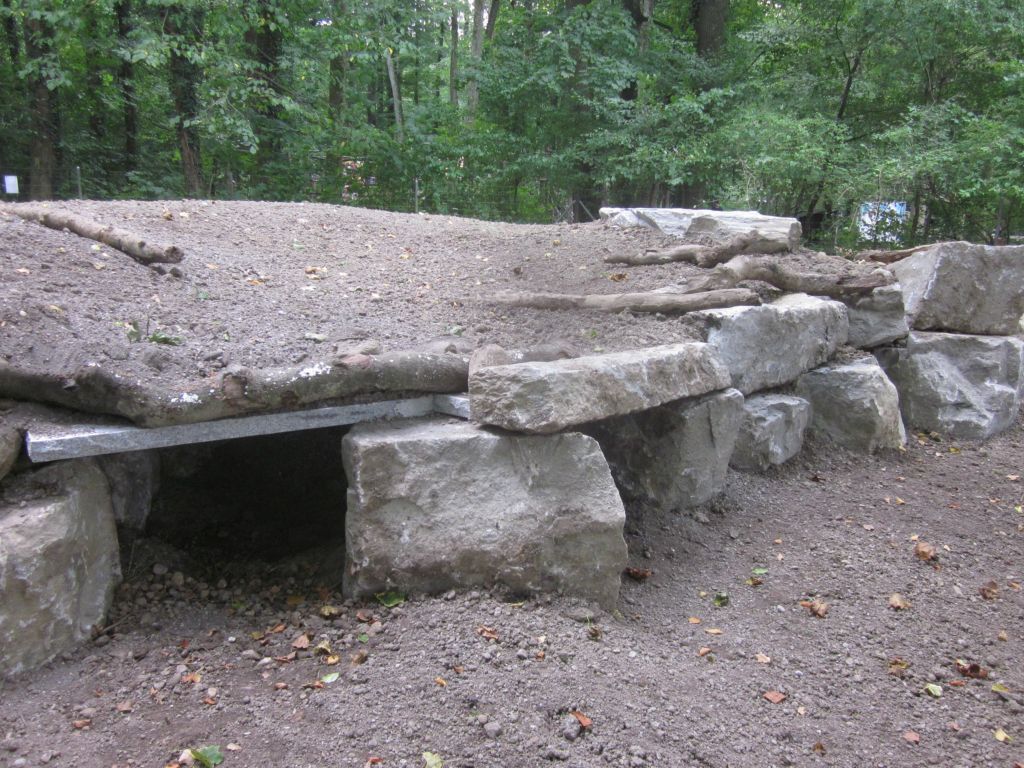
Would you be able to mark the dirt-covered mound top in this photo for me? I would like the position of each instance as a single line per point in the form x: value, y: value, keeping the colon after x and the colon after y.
x: 272, y: 285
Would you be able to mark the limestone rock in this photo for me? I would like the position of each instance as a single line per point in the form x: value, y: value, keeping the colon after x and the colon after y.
x: 770, y: 345
x: 134, y: 479
x: 964, y: 288
x: 59, y: 561
x: 772, y: 431
x: 676, y: 455
x: 10, y: 448
x: 720, y: 226
x: 546, y: 397
x: 966, y: 386
x: 877, y: 318
x: 435, y: 504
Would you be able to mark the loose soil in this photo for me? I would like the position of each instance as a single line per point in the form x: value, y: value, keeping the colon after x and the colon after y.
x: 206, y: 650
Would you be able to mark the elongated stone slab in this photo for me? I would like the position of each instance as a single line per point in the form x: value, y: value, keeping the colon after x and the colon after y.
x: 436, y: 503
x: 720, y: 226
x: 547, y: 397
x: 770, y: 345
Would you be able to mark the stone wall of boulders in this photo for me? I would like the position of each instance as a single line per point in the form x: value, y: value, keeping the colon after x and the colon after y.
x: 530, y: 492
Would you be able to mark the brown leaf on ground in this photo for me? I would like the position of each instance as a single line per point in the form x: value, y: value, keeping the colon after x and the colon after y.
x: 714, y: 631
x: 639, y: 574
x: 775, y: 697
x: 372, y: 761
x: 364, y: 616
x: 359, y: 657
x: 694, y: 620
x: 280, y: 686
x: 618, y: 277
x: 487, y: 633
x: 897, y: 602
x: 277, y: 629
x: 924, y: 551
x: 78, y: 725
x: 912, y: 736
x: 972, y: 669
x: 585, y: 722
x: 440, y: 681
x: 704, y: 651
x: 817, y: 607
x: 989, y: 590
x: 818, y: 748
x: 301, y: 642
x: 898, y: 666
x: 763, y: 658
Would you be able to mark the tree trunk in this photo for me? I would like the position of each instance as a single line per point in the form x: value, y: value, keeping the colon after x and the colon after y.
x: 453, y: 66
x: 709, y: 17
x: 43, y: 149
x: 492, y: 19
x: 396, y: 94
x: 476, y: 52
x: 11, y: 36
x: 126, y: 85
x: 665, y: 303
x: 184, y: 74
x: 266, y: 39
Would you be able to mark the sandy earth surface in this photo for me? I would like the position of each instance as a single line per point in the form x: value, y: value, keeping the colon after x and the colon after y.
x: 203, y: 649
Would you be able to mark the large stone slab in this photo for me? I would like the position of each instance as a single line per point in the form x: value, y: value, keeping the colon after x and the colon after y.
x: 719, y: 226
x: 877, y: 318
x: 854, y: 404
x: 547, y: 397
x: 58, y: 561
x: 964, y: 288
x: 966, y: 386
x: 435, y: 504
x: 770, y: 345
x: 676, y: 455
x: 772, y: 431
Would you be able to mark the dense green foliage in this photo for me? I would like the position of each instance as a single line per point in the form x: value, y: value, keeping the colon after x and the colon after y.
x: 533, y: 109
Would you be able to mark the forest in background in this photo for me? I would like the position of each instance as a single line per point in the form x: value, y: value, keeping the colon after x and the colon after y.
x: 529, y: 110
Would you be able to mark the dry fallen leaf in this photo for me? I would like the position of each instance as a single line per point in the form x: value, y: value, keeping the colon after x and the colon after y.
x: 819, y: 748
x: 694, y: 620
x: 897, y: 602
x: 618, y: 277
x: 487, y: 633
x: 801, y: 710
x: 912, y: 736
x: 763, y: 658
x: 639, y: 574
x: 972, y: 669
x: 301, y: 642
x: 80, y: 724
x: 704, y: 651
x: 124, y: 707
x: 441, y: 682
x: 280, y: 686
x: 359, y: 657
x: 989, y: 590
x: 817, y: 607
x: 924, y: 551
x: 775, y: 697
x: 1002, y: 736
x: 714, y: 631
x: 898, y: 666
x: 1002, y: 635
x: 585, y: 722
x: 364, y: 616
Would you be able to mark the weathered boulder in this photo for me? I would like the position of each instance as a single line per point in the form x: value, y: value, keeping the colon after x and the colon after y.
x: 134, y: 479
x: 966, y: 386
x: 676, y: 455
x: 58, y: 561
x: 877, y: 318
x: 964, y: 288
x: 720, y: 226
x: 854, y: 404
x: 544, y: 397
x: 770, y: 345
x: 772, y: 431
x: 435, y: 504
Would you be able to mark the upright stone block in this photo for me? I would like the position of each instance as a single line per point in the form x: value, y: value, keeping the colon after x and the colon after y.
x: 59, y: 561
x: 964, y: 288
x: 675, y: 455
x: 770, y: 345
x: 134, y: 481
x: 877, y: 318
x: 965, y: 386
x: 772, y: 431
x: 545, y: 397
x: 854, y: 404
x: 435, y: 504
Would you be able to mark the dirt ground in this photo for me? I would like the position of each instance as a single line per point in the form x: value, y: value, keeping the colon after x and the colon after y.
x: 224, y: 654
x: 265, y: 661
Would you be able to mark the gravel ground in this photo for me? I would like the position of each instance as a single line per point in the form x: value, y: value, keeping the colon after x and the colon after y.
x: 243, y: 655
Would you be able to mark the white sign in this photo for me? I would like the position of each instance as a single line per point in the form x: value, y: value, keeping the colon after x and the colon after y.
x: 11, y: 185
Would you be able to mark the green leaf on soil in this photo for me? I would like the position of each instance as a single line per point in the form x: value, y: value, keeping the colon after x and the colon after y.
x: 330, y: 677
x: 159, y: 337
x: 759, y: 570
x: 721, y: 599
x: 431, y: 760
x: 390, y: 599
x: 933, y: 690
x: 207, y: 757
x: 1000, y: 688
x: 363, y: 638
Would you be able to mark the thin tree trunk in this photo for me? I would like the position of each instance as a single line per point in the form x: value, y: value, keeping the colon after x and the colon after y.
x: 266, y: 40
x: 396, y: 95
x: 453, y: 66
x: 492, y: 19
x: 184, y: 77
x: 476, y: 52
x: 11, y: 35
x: 43, y: 148
x: 126, y: 85
x: 665, y: 303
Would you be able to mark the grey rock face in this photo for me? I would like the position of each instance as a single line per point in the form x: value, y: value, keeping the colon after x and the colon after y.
x: 964, y: 288
x: 134, y: 480
x: 772, y: 431
x: 676, y: 455
x: 854, y: 404
x: 435, y: 504
x: 877, y: 318
x: 544, y: 397
x: 59, y: 561
x: 962, y: 385
x: 770, y: 345
x: 720, y: 226
x: 10, y: 447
